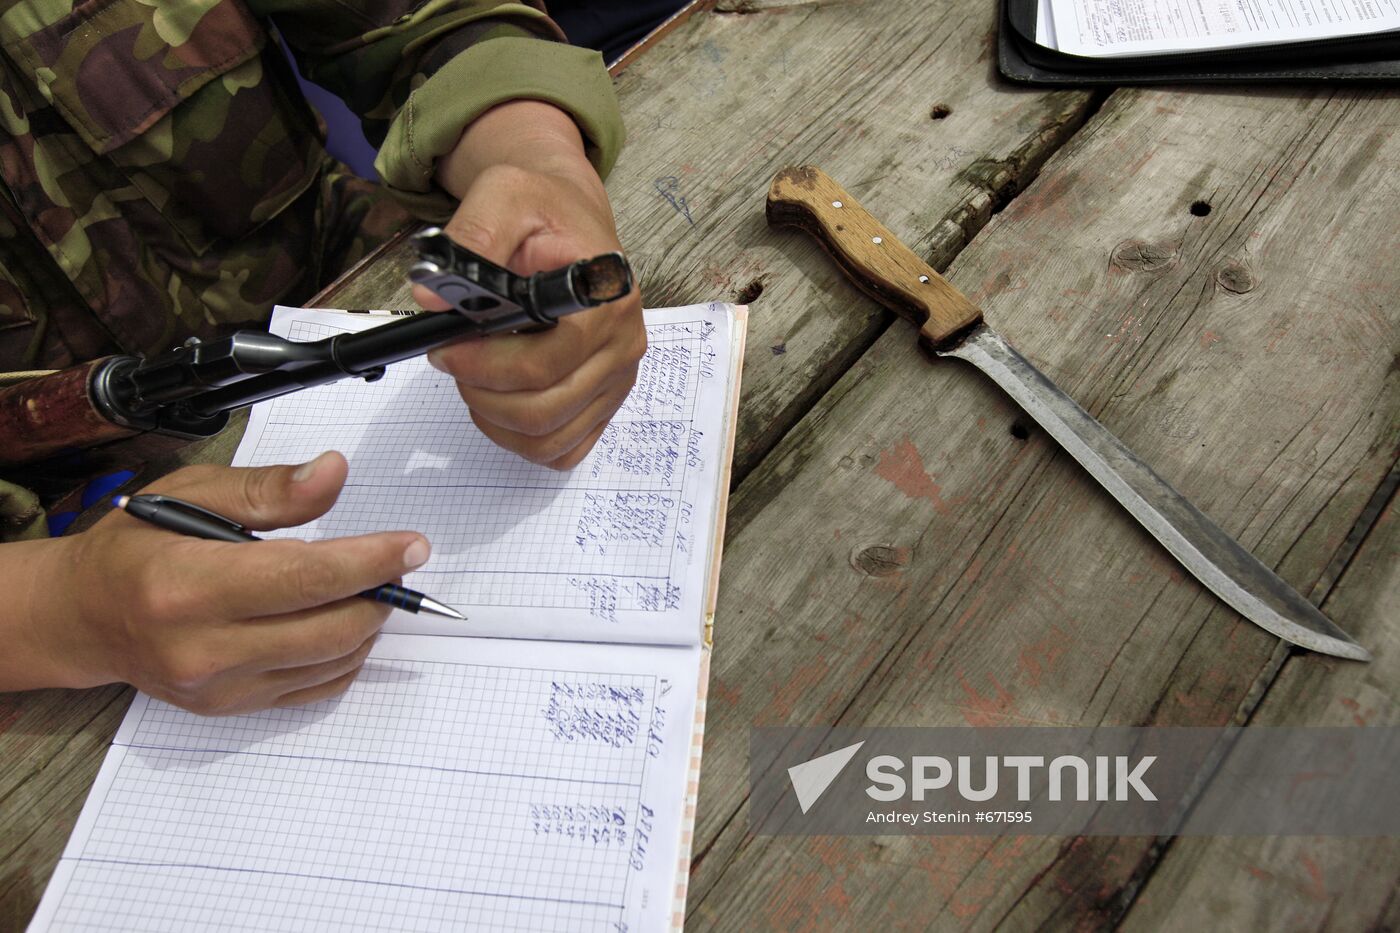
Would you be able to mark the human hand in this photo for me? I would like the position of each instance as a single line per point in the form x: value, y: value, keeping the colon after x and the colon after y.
x: 216, y: 627
x: 531, y: 201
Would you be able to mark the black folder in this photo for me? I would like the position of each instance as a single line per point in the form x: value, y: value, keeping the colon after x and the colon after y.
x: 1373, y: 57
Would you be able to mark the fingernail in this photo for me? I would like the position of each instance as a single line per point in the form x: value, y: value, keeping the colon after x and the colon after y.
x: 435, y: 361
x: 416, y: 554
x: 306, y: 470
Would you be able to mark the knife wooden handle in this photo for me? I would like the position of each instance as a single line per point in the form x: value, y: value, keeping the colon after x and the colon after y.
x: 884, y: 268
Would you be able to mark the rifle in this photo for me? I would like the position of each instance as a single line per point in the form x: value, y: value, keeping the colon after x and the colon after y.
x: 189, y: 392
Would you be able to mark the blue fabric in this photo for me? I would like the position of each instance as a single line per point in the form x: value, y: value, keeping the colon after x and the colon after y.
x: 59, y: 522
x: 98, y: 489
x: 611, y: 26
x: 344, y: 138
x: 94, y: 492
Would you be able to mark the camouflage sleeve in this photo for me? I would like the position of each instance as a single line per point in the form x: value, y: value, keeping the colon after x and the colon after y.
x: 418, y: 73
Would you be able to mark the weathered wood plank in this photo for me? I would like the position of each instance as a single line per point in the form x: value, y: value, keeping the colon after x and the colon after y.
x: 725, y: 100
x: 51, y: 744
x: 1291, y: 882
x: 942, y: 571
x: 717, y: 106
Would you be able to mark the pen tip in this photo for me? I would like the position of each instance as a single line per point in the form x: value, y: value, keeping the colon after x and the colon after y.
x: 436, y: 608
x: 120, y: 501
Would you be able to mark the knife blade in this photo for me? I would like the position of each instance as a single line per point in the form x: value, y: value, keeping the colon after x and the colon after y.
x: 952, y: 326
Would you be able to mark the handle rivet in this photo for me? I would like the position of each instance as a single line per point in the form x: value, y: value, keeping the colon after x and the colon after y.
x: 924, y: 279
x: 877, y: 240
x: 837, y: 204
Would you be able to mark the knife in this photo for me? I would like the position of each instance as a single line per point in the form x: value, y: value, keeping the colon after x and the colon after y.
x: 950, y: 325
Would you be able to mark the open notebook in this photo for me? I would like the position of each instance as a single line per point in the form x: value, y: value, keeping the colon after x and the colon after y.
x: 533, y: 768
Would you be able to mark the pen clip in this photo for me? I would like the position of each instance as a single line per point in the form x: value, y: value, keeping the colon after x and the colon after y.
x: 180, y: 505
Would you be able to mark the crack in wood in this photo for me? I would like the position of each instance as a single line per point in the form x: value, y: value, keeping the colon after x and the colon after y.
x: 1268, y: 676
x: 751, y: 7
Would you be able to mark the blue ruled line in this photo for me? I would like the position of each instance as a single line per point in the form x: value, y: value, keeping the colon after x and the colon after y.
x: 370, y: 761
x: 387, y: 884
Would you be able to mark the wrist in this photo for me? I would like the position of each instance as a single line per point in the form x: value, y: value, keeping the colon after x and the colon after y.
x: 40, y: 619
x: 528, y: 134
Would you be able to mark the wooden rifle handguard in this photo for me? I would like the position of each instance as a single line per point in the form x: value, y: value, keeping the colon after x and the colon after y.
x: 50, y: 415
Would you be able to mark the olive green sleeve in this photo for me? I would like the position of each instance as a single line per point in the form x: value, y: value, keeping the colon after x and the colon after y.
x: 21, y: 516
x: 489, y: 73
x: 419, y: 72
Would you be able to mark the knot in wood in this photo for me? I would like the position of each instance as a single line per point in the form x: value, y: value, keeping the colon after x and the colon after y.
x: 1235, y: 278
x: 750, y: 292
x: 1141, y: 256
x: 880, y: 560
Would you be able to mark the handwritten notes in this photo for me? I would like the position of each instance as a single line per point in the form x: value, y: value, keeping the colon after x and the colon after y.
x: 595, y: 712
x: 617, y: 548
x: 1108, y: 28
x: 452, y: 787
x: 503, y: 782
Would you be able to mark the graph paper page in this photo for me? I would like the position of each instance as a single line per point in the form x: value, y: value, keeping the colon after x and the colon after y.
x: 459, y: 783
x: 617, y: 549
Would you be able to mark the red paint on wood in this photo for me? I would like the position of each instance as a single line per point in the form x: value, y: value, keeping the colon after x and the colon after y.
x: 1316, y: 888
x: 1042, y: 656
x: 902, y: 466
x: 721, y: 692
x: 983, y: 710
x: 9, y: 711
x: 785, y: 697
x: 1357, y: 716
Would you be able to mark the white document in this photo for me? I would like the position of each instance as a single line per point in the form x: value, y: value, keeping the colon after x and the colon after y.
x: 1045, y: 24
x: 459, y: 783
x: 1110, y: 28
x: 615, y: 549
x: 541, y: 778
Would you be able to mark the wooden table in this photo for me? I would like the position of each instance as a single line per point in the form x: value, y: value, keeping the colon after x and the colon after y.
x: 1211, y: 272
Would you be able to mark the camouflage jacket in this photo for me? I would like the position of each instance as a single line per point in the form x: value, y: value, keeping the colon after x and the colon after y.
x: 161, y: 175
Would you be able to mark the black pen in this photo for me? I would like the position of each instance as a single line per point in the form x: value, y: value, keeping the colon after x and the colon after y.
x: 188, y: 519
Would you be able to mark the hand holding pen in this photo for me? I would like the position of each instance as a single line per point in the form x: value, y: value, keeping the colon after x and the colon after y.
x: 186, y: 518
x: 223, y: 628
